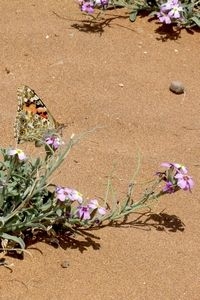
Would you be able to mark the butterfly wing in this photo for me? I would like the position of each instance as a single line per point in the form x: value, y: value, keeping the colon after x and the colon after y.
x: 33, y: 119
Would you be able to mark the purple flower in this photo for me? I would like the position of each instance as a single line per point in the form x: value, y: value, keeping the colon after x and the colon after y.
x: 175, y: 166
x: 164, y: 18
x: 167, y: 165
x: 168, y: 5
x: 95, y: 205
x: 84, y: 212
x: 169, y: 11
x: 87, y: 6
x: 103, y: 3
x: 174, y: 13
x: 17, y: 152
x: 53, y: 141
x: 175, y: 178
x: 169, y: 187
x: 185, y: 182
x: 68, y: 194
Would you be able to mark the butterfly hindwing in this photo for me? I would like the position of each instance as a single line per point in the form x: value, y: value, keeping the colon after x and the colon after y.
x: 33, y: 119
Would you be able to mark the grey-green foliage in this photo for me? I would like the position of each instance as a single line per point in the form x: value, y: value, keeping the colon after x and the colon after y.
x: 191, y: 10
x: 26, y: 198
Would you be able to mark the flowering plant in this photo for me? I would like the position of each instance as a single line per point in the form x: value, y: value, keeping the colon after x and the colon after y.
x: 170, y: 12
x: 29, y: 201
x: 185, y: 13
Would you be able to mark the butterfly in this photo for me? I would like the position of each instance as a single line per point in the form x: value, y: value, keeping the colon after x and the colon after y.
x: 33, y: 119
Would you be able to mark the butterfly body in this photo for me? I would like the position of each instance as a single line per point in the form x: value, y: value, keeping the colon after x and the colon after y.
x: 33, y: 120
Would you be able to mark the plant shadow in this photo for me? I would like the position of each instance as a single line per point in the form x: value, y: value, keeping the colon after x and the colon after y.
x: 170, y: 31
x: 96, y: 23
x: 74, y: 239
x: 98, y: 26
x: 161, y: 222
x: 82, y: 239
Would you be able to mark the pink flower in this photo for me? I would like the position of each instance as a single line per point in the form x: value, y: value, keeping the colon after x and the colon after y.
x: 103, y: 3
x: 18, y: 152
x: 87, y: 7
x: 176, y: 166
x: 54, y: 142
x: 164, y: 18
x: 185, y: 182
x: 68, y: 194
x: 170, y: 4
x: 175, y: 12
x: 95, y: 205
x: 175, y: 178
x: 169, y: 187
x: 84, y: 212
x: 170, y: 11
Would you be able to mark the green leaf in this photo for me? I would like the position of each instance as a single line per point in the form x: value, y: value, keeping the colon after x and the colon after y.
x: 1, y: 198
x: 46, y: 206
x: 59, y: 212
x: 15, y: 239
x: 119, y: 3
x: 196, y: 20
x: 2, y: 222
x: 133, y: 15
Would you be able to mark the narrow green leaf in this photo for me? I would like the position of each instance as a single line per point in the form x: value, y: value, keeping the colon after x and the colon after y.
x: 133, y: 15
x: 196, y: 20
x: 15, y: 239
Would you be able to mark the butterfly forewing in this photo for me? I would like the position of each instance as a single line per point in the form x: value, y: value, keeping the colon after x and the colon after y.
x: 33, y: 119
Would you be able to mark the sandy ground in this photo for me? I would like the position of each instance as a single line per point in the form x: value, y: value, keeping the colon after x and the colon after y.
x: 116, y: 78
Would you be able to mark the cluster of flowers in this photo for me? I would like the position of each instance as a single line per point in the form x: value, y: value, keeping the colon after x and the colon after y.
x: 170, y: 11
x: 63, y: 194
x: 53, y: 141
x: 83, y: 212
x: 175, y: 178
x: 89, y: 5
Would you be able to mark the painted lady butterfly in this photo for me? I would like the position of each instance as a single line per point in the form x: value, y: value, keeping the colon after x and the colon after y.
x: 33, y: 120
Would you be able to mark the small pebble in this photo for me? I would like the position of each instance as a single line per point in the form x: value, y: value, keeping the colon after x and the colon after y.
x: 177, y: 87
x: 7, y: 70
x: 65, y: 264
